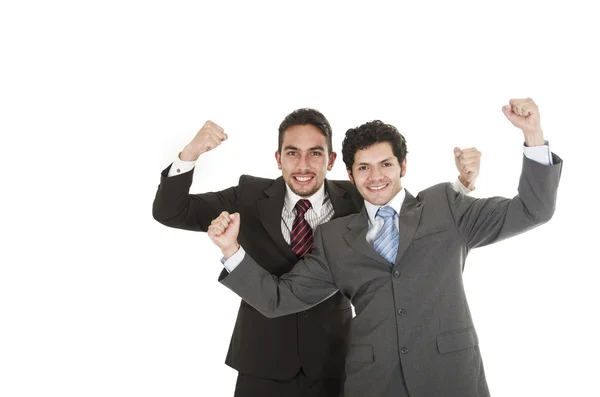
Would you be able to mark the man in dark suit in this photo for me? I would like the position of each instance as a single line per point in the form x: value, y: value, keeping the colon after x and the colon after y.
x: 400, y: 261
x: 299, y: 354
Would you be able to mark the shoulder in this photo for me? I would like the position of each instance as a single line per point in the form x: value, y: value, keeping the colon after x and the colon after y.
x: 255, y: 181
x: 253, y: 187
x: 344, y: 185
x: 437, y: 196
x: 436, y: 191
x: 442, y: 197
x: 348, y: 189
x: 330, y: 228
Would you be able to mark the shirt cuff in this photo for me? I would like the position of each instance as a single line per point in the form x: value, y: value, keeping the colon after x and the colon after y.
x: 540, y: 154
x: 179, y: 167
x: 234, y: 260
x: 460, y: 188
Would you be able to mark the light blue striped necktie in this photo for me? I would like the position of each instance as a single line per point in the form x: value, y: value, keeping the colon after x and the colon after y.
x: 386, y: 240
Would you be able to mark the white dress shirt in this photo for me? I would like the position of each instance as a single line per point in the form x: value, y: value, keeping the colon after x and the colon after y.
x: 321, y: 210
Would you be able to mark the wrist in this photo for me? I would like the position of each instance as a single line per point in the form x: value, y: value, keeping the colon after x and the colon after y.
x: 229, y: 251
x: 534, y: 138
x: 189, y: 154
x: 467, y: 184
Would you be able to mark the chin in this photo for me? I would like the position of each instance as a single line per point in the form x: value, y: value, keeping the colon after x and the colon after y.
x: 305, y: 191
x: 378, y: 200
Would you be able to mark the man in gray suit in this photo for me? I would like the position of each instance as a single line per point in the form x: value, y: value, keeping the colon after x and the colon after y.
x: 413, y: 334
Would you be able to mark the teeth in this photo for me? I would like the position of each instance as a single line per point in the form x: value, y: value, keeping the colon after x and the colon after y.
x: 377, y: 187
x: 303, y: 178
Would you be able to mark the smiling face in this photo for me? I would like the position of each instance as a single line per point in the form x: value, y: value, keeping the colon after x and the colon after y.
x: 376, y: 173
x: 303, y: 160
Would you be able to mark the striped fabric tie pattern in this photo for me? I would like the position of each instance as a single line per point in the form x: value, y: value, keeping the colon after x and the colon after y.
x: 302, y: 233
x: 386, y: 240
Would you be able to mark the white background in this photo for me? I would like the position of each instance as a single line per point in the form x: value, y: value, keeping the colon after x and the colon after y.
x: 96, y: 98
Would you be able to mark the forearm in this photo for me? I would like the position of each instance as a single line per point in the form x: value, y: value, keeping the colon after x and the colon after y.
x: 191, y: 152
x: 538, y: 188
x: 462, y: 186
x: 533, y: 137
x: 298, y: 290
x: 486, y: 221
x: 172, y: 203
x: 174, y: 206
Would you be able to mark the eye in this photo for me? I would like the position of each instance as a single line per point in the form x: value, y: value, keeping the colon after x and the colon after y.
x: 386, y: 165
x: 291, y: 153
x: 317, y: 153
x: 362, y: 168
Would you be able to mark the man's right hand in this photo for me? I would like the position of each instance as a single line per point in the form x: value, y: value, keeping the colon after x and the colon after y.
x: 209, y: 137
x: 223, y: 231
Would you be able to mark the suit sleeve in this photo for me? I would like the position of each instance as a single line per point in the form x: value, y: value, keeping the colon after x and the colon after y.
x: 174, y: 206
x: 485, y: 221
x: 308, y: 283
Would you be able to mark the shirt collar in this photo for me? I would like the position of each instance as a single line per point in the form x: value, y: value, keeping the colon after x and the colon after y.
x: 316, y: 200
x: 395, y: 203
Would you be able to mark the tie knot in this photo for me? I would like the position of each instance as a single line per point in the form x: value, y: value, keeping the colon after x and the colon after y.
x: 386, y: 212
x: 302, y: 206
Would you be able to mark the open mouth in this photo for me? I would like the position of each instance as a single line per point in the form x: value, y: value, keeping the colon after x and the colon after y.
x: 377, y: 188
x: 303, y: 179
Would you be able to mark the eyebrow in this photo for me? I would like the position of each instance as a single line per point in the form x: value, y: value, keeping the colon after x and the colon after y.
x: 290, y: 147
x: 382, y: 161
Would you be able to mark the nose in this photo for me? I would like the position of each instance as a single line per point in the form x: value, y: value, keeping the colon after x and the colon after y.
x: 375, y: 173
x: 303, y: 163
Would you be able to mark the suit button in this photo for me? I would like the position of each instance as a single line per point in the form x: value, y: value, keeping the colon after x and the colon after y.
x: 404, y: 350
x: 396, y: 273
x: 401, y: 312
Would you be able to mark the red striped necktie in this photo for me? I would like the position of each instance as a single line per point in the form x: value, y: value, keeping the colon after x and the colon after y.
x: 302, y: 233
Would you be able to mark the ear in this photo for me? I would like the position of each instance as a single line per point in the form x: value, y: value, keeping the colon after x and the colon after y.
x: 403, y: 166
x: 350, y: 176
x: 278, y: 159
x: 332, y: 158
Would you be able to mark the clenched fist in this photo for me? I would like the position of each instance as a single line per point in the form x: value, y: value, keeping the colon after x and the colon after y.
x: 223, y: 231
x: 525, y: 115
x: 209, y: 137
x: 467, y: 162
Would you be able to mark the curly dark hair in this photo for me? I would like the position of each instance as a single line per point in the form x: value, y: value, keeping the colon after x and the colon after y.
x: 369, y: 134
x: 306, y: 116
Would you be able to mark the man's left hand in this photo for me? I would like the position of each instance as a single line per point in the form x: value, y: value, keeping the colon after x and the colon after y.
x: 525, y: 115
x: 468, y: 162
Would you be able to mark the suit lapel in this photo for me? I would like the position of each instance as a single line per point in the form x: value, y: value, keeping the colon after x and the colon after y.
x: 410, y: 214
x: 269, y: 211
x: 356, y: 237
x: 342, y: 205
x: 271, y: 207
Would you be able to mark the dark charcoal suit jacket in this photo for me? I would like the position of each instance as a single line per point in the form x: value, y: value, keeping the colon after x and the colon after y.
x: 272, y: 348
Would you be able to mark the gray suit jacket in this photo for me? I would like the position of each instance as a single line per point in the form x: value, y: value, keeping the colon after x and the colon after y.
x: 413, y: 331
